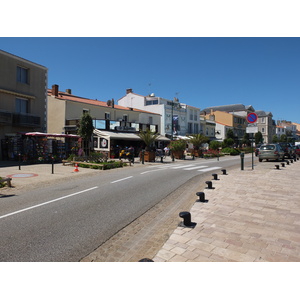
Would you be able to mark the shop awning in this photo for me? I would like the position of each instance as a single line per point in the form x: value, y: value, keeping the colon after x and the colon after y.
x: 123, y: 136
x: 52, y: 134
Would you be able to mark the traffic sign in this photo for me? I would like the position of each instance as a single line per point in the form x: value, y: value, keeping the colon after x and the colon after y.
x: 251, y: 129
x: 252, y: 117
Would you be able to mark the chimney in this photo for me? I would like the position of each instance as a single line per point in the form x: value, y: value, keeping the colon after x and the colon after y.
x: 128, y: 91
x: 69, y: 91
x: 55, y: 90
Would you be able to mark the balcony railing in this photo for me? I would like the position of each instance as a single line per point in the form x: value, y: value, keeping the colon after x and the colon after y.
x: 5, y: 117
x: 26, y: 120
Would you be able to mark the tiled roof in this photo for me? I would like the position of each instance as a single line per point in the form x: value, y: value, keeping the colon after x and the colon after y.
x: 70, y: 97
x: 227, y: 108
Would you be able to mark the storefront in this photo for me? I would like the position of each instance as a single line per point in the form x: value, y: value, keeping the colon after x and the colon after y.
x: 112, y: 142
x: 38, y: 147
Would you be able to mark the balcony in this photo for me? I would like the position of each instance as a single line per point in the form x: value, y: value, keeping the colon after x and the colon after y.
x: 26, y: 120
x: 5, y: 117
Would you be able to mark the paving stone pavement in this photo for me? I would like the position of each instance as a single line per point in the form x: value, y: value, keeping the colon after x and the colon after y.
x: 250, y: 216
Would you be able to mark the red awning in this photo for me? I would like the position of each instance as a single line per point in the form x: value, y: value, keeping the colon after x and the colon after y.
x: 52, y: 134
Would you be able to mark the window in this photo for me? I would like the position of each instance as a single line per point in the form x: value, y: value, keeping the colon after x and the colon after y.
x: 150, y: 120
x: 151, y: 102
x: 22, y: 106
x: 22, y: 75
x: 107, y: 116
x: 263, y: 130
x: 85, y: 111
x: 125, y: 118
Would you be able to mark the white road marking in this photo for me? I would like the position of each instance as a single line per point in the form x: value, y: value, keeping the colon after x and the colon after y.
x: 150, y: 171
x: 121, y: 179
x: 179, y: 167
x: 194, y: 168
x: 45, y: 203
x: 209, y: 169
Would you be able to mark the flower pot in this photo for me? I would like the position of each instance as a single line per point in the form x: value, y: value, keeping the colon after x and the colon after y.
x: 178, y: 154
x: 149, y: 156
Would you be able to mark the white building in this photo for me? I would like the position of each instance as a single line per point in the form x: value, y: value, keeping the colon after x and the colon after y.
x: 184, y: 118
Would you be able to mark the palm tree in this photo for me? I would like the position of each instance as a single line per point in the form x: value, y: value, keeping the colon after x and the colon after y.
x: 197, y: 140
x: 148, y: 137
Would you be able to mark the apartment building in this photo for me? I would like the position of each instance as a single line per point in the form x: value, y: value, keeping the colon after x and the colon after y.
x: 225, y: 121
x: 23, y: 101
x: 266, y: 125
x: 115, y: 125
x: 177, y: 119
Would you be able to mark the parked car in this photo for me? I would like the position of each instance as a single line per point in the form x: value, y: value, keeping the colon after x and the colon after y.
x: 270, y: 151
x: 297, y: 150
x: 288, y: 149
x: 257, y: 149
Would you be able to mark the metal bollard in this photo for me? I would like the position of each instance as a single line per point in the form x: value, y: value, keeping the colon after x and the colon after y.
x: 224, y: 171
x: 277, y: 167
x: 146, y: 260
x: 292, y: 161
x: 287, y: 162
x: 282, y: 164
x: 52, y: 165
x: 209, y: 185
x: 201, y: 196
x: 215, y: 176
x: 186, y: 219
x: 242, y: 155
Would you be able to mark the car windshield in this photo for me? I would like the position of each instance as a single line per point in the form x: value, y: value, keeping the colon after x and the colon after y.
x: 267, y: 147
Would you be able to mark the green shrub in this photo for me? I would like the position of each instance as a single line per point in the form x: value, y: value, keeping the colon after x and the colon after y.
x: 2, y: 184
x: 231, y: 151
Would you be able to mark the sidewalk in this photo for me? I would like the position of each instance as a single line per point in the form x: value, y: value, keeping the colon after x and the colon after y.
x: 250, y: 216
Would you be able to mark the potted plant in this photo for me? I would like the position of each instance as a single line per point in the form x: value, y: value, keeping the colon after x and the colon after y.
x: 177, y: 148
x: 148, y: 137
x: 197, y: 140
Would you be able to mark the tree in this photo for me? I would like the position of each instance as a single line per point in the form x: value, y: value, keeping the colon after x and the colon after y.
x: 215, y: 145
x: 258, y: 137
x: 283, y: 138
x: 230, y: 134
x: 197, y: 140
x: 85, y: 130
x: 148, y: 137
x: 246, y: 139
x: 275, y: 138
x: 228, y: 142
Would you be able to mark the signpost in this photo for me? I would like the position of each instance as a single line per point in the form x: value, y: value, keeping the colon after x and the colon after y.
x: 252, y: 118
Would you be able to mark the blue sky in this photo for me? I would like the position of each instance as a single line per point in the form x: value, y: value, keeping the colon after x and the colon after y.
x: 200, y: 71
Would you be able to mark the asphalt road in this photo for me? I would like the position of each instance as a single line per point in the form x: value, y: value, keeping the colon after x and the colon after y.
x: 67, y: 221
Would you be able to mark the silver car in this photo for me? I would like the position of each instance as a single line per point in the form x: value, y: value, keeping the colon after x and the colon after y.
x: 270, y: 151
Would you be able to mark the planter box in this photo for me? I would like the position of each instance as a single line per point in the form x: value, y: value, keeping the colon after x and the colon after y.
x: 149, y: 156
x: 178, y: 154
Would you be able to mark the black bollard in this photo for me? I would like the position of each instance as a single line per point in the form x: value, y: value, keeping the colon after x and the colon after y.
x: 292, y: 161
x: 224, y: 171
x: 209, y: 185
x: 277, y: 167
x: 215, y: 176
x: 19, y: 161
x: 52, y: 165
x: 287, y: 162
x: 282, y: 164
x: 201, y: 196
x: 186, y: 219
x: 146, y: 260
